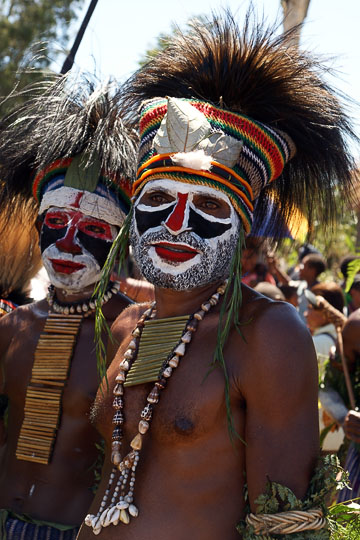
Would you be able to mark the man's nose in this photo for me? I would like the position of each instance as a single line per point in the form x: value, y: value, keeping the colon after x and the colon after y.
x: 178, y: 220
x: 67, y: 243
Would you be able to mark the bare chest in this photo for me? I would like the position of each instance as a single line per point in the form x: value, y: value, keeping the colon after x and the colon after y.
x: 190, y: 407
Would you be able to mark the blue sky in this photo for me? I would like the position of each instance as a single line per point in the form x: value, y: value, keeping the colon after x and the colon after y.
x: 121, y: 31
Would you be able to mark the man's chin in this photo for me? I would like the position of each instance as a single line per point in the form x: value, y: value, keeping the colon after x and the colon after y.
x: 73, y: 283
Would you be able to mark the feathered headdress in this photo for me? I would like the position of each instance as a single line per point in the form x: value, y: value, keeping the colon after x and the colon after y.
x: 260, y: 98
x: 245, y: 112
x: 69, y: 134
x: 20, y: 257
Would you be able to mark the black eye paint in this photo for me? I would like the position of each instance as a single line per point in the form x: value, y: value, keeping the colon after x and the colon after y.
x: 49, y: 236
x: 149, y: 220
x: 198, y: 224
x: 98, y: 248
x: 205, y: 228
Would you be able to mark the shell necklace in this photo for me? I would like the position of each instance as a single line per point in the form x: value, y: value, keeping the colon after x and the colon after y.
x: 84, y: 307
x: 121, y: 507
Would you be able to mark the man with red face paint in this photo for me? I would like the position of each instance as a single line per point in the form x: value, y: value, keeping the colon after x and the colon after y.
x: 48, y: 469
x: 214, y: 386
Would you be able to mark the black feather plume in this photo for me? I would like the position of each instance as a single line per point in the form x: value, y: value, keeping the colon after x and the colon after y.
x: 251, y: 70
x: 61, y: 117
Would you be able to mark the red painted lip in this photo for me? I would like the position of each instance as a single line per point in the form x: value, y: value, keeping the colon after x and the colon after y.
x: 66, y: 267
x: 175, y: 252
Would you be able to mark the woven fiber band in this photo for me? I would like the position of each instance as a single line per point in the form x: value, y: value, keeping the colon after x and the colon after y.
x: 109, y: 186
x: 287, y: 522
x: 263, y: 155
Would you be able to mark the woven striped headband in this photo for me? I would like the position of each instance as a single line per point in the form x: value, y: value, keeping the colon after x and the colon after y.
x: 108, y: 186
x: 260, y: 155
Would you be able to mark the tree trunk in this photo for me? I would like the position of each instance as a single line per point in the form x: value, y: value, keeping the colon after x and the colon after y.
x: 295, y: 12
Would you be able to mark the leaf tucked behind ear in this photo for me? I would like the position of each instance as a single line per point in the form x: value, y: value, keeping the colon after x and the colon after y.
x: 79, y: 176
x: 182, y: 128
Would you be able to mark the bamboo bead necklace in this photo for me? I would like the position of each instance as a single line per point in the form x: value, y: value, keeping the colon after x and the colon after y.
x: 52, y: 362
x: 121, y: 507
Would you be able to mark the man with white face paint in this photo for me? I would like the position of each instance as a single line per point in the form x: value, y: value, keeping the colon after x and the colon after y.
x: 80, y: 191
x: 194, y: 244
x: 214, y: 385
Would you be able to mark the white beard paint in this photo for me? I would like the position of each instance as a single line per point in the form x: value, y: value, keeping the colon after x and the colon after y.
x: 75, y: 282
x: 211, y: 264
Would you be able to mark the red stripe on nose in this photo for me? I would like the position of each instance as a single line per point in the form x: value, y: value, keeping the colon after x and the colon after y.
x: 79, y: 196
x: 67, y: 243
x: 175, y: 221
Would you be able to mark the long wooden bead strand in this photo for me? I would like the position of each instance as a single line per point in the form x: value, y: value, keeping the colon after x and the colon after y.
x: 124, y: 508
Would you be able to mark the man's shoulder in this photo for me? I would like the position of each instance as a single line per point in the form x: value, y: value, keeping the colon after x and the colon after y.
x: 272, y: 338
x: 264, y: 313
x: 25, y: 314
x: 127, y: 319
x: 20, y: 320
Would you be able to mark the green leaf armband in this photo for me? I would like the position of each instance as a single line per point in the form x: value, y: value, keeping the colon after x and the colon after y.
x: 281, y: 515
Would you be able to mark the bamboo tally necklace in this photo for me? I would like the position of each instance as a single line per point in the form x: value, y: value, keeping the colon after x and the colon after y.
x: 52, y: 361
x: 142, y: 362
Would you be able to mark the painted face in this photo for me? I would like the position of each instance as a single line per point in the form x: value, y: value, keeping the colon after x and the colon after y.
x: 183, y: 236
x: 74, y: 247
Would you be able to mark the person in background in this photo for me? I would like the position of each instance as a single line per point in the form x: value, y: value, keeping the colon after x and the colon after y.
x: 354, y: 294
x: 322, y: 330
x: 269, y: 290
x: 305, y: 249
x: 67, y: 151
x: 253, y: 268
x: 290, y: 294
x: 310, y: 268
x: 281, y: 278
x: 324, y: 337
x: 334, y: 398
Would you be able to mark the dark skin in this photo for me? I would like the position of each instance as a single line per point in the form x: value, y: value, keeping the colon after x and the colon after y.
x: 190, y: 479
x: 351, y: 338
x: 136, y: 289
x: 61, y: 491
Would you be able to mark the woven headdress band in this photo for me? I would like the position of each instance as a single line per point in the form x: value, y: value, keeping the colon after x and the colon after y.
x: 63, y: 176
x: 238, y: 156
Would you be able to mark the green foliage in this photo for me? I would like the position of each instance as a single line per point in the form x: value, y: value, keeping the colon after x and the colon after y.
x: 118, y: 252
x: 229, y: 317
x: 277, y: 498
x: 344, y: 522
x: 353, y: 268
x: 163, y: 39
x: 23, y: 25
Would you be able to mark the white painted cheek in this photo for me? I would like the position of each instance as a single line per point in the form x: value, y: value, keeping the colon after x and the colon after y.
x: 91, y: 273
x: 225, y: 237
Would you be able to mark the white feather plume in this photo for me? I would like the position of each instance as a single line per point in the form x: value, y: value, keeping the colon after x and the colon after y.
x: 193, y: 160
